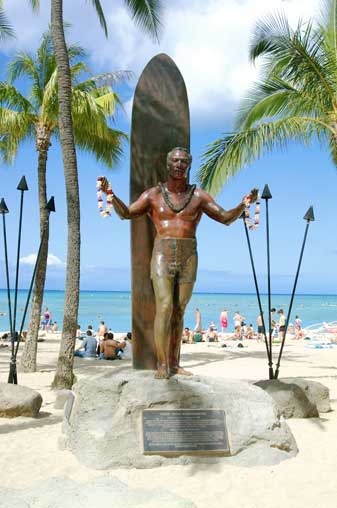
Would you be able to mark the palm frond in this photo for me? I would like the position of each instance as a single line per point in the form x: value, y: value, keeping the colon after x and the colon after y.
x: 275, y: 97
x: 112, y: 78
x: 5, y: 28
x: 146, y: 14
x: 97, y: 5
x: 108, y: 103
x: 14, y: 128
x: 35, y: 4
x: 106, y: 146
x: 23, y: 65
x: 13, y: 99
x: 231, y: 153
x: 295, y: 56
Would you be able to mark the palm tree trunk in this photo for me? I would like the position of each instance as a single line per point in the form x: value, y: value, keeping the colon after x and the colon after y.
x: 64, y: 370
x: 28, y: 359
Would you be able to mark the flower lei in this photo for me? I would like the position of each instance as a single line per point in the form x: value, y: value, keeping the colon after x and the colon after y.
x: 256, y: 215
x: 109, y: 197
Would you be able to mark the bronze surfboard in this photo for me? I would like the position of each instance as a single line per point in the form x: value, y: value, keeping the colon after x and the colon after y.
x: 160, y: 122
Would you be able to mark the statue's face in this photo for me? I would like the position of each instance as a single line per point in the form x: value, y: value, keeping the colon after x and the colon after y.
x: 178, y: 165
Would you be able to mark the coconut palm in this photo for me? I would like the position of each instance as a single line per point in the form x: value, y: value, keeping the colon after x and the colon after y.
x: 36, y: 117
x: 296, y: 98
x: 146, y: 14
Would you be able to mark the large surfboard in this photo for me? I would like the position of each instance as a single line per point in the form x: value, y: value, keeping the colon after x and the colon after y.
x: 160, y: 122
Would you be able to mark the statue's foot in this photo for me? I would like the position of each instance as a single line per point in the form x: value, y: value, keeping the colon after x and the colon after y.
x: 162, y: 373
x: 180, y: 371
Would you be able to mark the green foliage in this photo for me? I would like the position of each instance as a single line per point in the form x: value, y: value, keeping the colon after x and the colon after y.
x: 295, y: 98
x: 93, y: 105
x: 5, y: 27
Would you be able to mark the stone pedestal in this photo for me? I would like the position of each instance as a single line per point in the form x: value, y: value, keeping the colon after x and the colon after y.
x: 104, y: 431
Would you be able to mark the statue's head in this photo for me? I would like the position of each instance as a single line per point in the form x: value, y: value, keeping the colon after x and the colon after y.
x: 179, y: 161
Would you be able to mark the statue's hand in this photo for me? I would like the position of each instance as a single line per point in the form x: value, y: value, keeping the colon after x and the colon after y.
x: 104, y: 184
x: 251, y: 197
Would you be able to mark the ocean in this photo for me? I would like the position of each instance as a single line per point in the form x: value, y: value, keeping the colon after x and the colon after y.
x: 115, y: 308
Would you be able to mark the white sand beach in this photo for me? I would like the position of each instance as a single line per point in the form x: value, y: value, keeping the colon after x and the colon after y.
x: 30, y: 455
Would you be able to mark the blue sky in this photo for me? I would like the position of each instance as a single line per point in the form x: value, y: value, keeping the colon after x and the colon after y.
x: 208, y: 41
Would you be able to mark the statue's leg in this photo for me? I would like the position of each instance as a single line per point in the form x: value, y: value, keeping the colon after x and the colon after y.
x: 163, y: 290
x: 183, y: 295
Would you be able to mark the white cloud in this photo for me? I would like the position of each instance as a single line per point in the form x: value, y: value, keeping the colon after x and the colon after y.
x: 208, y: 41
x: 51, y: 261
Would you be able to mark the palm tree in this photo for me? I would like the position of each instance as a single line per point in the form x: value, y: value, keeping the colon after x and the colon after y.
x: 146, y: 13
x: 296, y: 98
x: 37, y: 117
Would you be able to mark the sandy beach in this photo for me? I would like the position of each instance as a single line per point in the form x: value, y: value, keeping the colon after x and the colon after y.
x: 30, y: 453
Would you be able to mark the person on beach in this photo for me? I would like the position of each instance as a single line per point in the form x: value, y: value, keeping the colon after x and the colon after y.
x: 46, y: 320
x: 211, y: 335
x: 281, y: 324
x: 198, y: 327
x: 187, y: 337
x: 175, y: 208
x: 102, y: 330
x: 260, y: 327
x: 298, y: 327
x: 111, y: 349
x: 238, y: 323
x: 273, y: 327
x: 224, y: 321
x: 88, y: 348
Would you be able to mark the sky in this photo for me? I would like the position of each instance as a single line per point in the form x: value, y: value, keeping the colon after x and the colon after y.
x: 208, y: 40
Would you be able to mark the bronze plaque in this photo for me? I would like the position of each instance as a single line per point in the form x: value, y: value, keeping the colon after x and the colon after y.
x: 160, y: 122
x: 184, y: 431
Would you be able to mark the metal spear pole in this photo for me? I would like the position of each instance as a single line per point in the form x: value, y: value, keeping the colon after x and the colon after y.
x: 12, y: 378
x: 309, y: 217
x: 270, y: 361
x: 50, y: 208
x: 266, y: 195
x: 3, y: 211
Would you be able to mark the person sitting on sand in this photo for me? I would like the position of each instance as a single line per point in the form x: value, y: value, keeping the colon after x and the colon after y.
x: 187, y: 337
x: 211, y: 335
x: 111, y: 349
x: 249, y: 331
x: 238, y: 322
x: 88, y: 347
x: 298, y: 328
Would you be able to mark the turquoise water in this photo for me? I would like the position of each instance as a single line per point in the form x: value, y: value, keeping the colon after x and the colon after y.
x: 115, y: 308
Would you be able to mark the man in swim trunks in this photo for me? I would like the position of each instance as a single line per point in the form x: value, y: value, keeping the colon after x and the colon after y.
x: 175, y: 208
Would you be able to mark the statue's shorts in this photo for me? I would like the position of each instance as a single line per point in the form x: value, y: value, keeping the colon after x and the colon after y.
x: 175, y: 258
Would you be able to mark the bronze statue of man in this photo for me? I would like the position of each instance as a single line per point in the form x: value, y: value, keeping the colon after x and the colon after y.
x: 175, y: 208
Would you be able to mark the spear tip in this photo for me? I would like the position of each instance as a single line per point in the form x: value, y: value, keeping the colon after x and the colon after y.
x: 51, y: 204
x: 22, y: 186
x: 309, y: 216
x: 266, y: 194
x: 3, y: 206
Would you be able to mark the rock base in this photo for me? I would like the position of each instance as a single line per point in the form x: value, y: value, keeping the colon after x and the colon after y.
x: 297, y: 397
x: 103, y: 429
x: 17, y: 400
